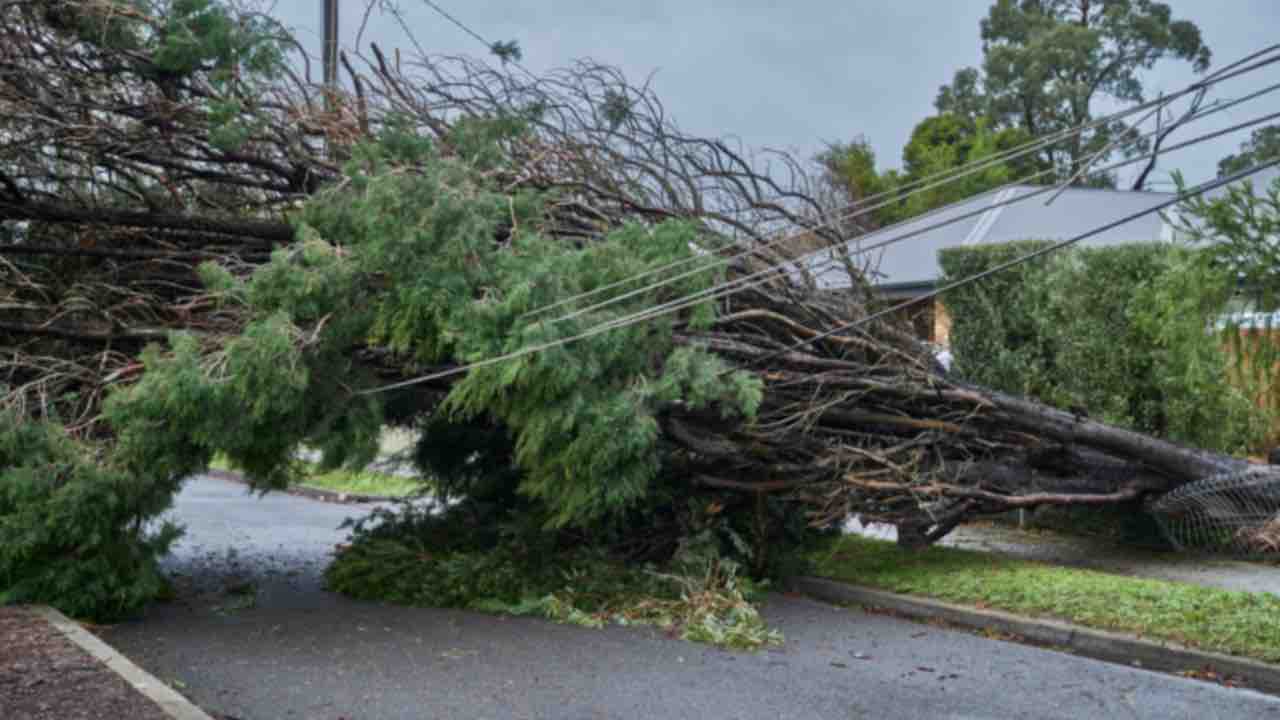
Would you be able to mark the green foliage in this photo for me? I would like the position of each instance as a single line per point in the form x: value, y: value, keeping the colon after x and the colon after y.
x: 1125, y: 333
x: 996, y: 338
x: 850, y: 168
x: 1045, y: 62
x: 1262, y: 145
x: 945, y: 143
x: 208, y: 35
x: 414, y: 557
x: 1240, y: 232
x: 175, y: 39
x: 73, y: 525
x: 1194, y: 398
x: 616, y: 108
x: 180, y: 37
x: 552, y: 461
x: 410, y: 261
x: 508, y: 51
x: 939, y: 144
x: 109, y: 23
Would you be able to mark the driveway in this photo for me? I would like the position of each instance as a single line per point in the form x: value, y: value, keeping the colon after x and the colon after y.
x: 300, y: 652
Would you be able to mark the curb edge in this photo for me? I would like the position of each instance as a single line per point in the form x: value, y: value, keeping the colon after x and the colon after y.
x: 169, y: 700
x: 1097, y: 644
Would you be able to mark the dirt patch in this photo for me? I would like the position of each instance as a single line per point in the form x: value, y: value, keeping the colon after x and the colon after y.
x: 44, y: 676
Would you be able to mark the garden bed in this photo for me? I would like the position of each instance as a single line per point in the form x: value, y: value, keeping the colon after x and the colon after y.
x: 44, y: 676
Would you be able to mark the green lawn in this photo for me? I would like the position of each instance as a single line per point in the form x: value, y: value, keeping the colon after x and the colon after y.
x: 1237, y: 623
x: 364, y: 482
x: 342, y: 480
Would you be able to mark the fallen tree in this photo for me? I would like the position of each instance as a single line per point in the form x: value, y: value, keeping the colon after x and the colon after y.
x: 296, y: 256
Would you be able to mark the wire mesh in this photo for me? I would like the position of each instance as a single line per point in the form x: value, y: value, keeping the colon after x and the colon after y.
x: 1236, y: 513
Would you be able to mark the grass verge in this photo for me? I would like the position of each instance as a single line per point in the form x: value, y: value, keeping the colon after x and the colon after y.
x: 342, y: 480
x: 363, y: 482
x: 1226, y: 621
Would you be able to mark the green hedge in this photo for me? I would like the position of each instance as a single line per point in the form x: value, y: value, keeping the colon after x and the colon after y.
x: 1123, y: 333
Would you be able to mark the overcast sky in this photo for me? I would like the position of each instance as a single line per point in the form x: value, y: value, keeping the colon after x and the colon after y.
x: 797, y: 74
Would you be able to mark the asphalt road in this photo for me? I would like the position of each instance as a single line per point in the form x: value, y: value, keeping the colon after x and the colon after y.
x: 295, y: 651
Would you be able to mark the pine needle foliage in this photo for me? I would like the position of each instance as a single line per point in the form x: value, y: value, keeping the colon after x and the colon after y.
x: 416, y: 557
x: 421, y: 254
x: 73, y: 530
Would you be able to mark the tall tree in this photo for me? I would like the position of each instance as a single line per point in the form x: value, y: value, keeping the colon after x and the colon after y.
x: 1046, y: 63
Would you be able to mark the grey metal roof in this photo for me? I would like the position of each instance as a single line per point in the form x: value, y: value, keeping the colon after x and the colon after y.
x: 996, y: 217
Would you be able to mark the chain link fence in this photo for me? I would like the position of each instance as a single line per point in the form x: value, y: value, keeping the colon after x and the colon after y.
x: 1236, y: 513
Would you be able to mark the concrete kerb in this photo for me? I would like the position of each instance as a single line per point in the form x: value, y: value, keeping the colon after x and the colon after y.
x: 172, y: 703
x: 1097, y: 644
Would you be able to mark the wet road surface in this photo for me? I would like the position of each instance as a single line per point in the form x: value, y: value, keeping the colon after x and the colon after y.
x: 255, y: 637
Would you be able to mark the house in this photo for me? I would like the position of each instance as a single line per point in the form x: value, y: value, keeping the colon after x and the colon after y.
x: 902, y: 260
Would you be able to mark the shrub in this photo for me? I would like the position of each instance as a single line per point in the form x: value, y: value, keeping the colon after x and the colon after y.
x: 996, y: 338
x: 73, y: 528
x: 1122, y: 333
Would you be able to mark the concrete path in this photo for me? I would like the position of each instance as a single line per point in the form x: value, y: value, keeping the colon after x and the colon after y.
x: 299, y: 652
x: 1103, y: 555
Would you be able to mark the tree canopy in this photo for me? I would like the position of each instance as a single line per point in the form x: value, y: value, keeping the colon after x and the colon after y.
x: 1046, y: 66
x: 1047, y: 63
x: 940, y: 145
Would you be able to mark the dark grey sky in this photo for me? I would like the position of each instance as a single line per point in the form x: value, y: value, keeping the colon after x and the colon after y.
x: 793, y: 75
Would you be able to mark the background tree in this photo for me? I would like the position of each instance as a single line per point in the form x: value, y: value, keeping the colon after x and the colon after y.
x: 1262, y: 145
x: 849, y: 172
x: 939, y: 144
x: 1046, y: 63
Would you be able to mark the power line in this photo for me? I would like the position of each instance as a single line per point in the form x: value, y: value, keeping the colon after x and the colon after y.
x: 725, y: 289
x: 650, y: 314
x: 490, y: 46
x: 916, y: 220
x: 1198, y: 190
x: 938, y: 179
x: 763, y: 276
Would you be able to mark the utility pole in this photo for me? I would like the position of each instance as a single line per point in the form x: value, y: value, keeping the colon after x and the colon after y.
x: 329, y: 12
x: 329, y: 15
